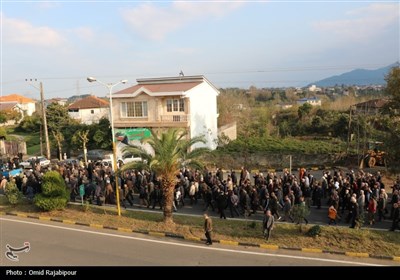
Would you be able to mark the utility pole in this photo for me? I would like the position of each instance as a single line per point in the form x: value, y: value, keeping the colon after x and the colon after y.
x: 44, y: 121
x: 46, y: 131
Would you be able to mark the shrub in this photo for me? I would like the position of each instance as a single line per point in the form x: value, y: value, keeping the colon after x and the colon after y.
x: 54, y: 194
x: 314, y: 231
x: 12, y: 193
x: 50, y: 203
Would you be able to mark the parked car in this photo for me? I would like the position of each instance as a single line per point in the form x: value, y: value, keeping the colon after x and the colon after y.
x: 121, y: 160
x: 128, y: 158
x: 95, y: 155
x: 30, y: 162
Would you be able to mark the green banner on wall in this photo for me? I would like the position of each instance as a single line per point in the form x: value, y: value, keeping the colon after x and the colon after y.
x: 131, y: 134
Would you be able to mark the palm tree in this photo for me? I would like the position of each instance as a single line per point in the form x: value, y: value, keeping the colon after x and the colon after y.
x: 172, y: 151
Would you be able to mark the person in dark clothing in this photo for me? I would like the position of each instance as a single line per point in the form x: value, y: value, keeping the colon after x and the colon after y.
x: 208, y: 229
x: 233, y: 203
x: 221, y: 204
x: 353, y: 214
x: 396, y: 214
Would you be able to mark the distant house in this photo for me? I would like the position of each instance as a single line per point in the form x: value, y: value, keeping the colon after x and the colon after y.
x: 314, y: 88
x: 60, y: 101
x: 89, y: 110
x: 25, y: 105
x: 187, y: 102
x: 313, y: 101
x: 370, y: 107
x: 285, y: 106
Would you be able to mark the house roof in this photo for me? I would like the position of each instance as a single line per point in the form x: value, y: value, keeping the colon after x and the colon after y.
x: 374, y: 103
x: 165, y: 86
x: 309, y: 99
x: 4, y: 106
x: 16, y: 98
x: 89, y: 102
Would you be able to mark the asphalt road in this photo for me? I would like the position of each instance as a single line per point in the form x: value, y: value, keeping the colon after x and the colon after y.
x: 53, y: 244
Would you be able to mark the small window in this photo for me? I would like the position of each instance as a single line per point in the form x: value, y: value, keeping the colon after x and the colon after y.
x: 92, y: 111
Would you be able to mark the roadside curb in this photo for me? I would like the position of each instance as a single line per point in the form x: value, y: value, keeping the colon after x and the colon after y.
x: 198, y: 239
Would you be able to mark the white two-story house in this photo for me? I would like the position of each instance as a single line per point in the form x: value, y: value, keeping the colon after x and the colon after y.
x: 188, y: 102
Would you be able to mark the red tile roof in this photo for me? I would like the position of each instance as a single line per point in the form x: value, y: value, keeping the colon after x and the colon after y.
x: 374, y: 103
x: 7, y: 106
x: 89, y: 103
x: 16, y: 98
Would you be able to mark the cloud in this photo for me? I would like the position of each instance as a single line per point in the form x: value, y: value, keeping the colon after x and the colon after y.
x: 84, y: 33
x: 155, y: 22
x: 364, y: 23
x: 24, y: 33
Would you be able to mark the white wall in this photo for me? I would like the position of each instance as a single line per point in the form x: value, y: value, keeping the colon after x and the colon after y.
x: 203, y: 113
x: 86, y: 117
x: 29, y: 108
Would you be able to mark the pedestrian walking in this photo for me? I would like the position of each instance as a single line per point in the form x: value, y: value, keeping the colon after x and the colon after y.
x: 208, y: 229
x: 268, y: 224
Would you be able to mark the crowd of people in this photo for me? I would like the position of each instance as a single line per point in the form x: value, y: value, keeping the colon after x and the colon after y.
x: 356, y: 198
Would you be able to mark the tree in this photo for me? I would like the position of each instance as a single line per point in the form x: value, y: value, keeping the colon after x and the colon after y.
x: 81, y: 137
x: 102, y: 134
x: 304, y: 110
x: 392, y: 122
x: 59, y: 137
x: 393, y: 89
x: 57, y: 116
x: 12, y: 193
x: 172, y: 151
x: 54, y: 194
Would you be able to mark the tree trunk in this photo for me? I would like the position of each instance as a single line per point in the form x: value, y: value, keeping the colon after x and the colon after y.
x: 168, y: 187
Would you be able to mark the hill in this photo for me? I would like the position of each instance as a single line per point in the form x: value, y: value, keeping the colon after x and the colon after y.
x: 359, y: 77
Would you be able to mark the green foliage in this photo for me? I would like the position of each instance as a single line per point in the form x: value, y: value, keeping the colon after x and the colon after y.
x: 3, y: 117
x: 53, y: 184
x: 300, y: 211
x: 54, y: 194
x: 304, y: 110
x: 12, y: 193
x: 57, y: 116
x: 314, y: 231
x: 391, y: 124
x: 30, y: 124
x: 50, y: 203
x: 279, y: 145
x: 3, y: 132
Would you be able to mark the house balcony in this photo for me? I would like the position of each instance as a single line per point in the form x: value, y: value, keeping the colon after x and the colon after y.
x: 174, y: 118
x: 162, y: 121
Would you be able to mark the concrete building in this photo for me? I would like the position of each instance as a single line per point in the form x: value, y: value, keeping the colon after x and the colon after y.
x: 89, y: 110
x: 313, y: 101
x: 188, y: 102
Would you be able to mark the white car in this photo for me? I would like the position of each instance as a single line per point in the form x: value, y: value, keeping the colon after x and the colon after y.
x: 128, y: 159
x: 30, y: 162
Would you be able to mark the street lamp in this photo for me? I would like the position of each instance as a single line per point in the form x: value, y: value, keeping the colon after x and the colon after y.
x: 114, y: 164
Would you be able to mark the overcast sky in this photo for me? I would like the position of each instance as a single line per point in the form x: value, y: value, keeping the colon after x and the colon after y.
x: 232, y: 43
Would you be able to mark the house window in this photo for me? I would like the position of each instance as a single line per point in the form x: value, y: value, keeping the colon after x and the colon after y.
x: 92, y: 111
x: 134, y: 109
x: 176, y: 105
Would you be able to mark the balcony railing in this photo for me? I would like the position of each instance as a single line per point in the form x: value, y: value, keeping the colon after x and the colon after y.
x: 174, y: 118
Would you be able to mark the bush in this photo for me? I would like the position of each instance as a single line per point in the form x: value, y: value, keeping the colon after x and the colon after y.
x: 50, y: 203
x: 53, y: 184
x: 12, y: 193
x: 314, y: 231
x: 54, y: 194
